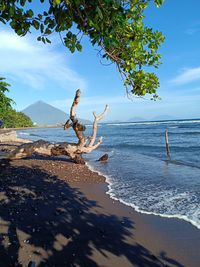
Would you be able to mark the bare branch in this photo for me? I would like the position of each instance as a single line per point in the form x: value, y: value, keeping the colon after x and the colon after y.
x: 95, y: 123
x: 67, y: 125
x: 74, y: 105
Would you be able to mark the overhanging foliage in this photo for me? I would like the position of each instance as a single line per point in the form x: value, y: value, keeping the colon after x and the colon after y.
x: 115, y: 26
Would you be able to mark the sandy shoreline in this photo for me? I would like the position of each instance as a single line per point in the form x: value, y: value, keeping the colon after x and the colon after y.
x: 57, y: 213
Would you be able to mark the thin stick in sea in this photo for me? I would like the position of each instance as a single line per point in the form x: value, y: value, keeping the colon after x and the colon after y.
x: 167, y: 144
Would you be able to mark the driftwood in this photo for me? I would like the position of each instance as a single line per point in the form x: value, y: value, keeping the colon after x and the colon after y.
x: 73, y: 150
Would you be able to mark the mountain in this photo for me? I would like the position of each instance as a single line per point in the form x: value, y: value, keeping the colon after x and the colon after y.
x: 112, y: 121
x: 164, y: 118
x: 157, y: 118
x: 42, y: 114
x: 136, y: 119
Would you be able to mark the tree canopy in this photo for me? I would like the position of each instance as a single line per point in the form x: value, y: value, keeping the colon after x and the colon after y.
x: 11, y: 118
x: 5, y: 102
x: 115, y: 26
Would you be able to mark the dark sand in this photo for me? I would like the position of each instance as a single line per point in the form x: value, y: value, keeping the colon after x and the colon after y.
x: 56, y: 213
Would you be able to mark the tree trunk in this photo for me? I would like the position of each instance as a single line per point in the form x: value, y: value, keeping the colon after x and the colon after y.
x: 72, y: 150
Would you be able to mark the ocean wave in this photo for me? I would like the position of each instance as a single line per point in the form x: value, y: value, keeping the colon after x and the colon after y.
x: 140, y: 146
x: 113, y: 196
x: 138, y: 209
x: 183, y: 163
x: 185, y: 133
x: 144, y: 147
x: 23, y: 133
x: 154, y: 122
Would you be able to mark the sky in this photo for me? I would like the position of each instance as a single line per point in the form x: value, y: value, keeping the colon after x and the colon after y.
x: 50, y: 73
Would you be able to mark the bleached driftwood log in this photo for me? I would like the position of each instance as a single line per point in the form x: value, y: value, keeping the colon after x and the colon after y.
x: 73, y: 150
x: 10, y: 136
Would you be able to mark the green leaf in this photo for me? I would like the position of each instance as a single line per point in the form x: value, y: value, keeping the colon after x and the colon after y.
x: 79, y: 47
x: 36, y: 24
x: 43, y: 40
x: 47, y: 31
x: 99, y: 12
x: 11, y: 10
x: 3, y: 20
x: 56, y: 2
x: 30, y: 13
x: 48, y: 41
x: 72, y: 49
x: 22, y: 2
x: 69, y: 34
x: 158, y: 2
x: 42, y: 28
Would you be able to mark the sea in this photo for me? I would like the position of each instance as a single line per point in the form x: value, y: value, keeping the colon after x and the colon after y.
x: 138, y: 172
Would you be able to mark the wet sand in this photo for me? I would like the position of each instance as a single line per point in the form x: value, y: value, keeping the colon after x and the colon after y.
x: 56, y: 213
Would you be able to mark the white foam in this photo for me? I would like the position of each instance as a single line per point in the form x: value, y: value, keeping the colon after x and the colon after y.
x: 137, y: 208
x: 153, y: 122
x: 23, y: 133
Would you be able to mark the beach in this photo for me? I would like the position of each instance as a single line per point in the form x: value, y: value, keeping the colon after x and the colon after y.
x: 57, y: 213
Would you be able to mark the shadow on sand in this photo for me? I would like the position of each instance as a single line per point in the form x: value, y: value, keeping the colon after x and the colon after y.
x: 44, y: 220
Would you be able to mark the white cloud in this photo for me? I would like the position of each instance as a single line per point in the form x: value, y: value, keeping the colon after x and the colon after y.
x: 187, y: 76
x: 192, y: 31
x: 35, y: 64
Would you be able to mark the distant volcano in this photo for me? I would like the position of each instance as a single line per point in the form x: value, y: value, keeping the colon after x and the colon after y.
x: 43, y: 114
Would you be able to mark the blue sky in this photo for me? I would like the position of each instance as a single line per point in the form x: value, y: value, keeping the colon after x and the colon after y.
x: 51, y: 74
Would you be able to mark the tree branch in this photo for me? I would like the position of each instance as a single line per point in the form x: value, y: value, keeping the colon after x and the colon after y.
x: 76, y: 125
x: 95, y: 124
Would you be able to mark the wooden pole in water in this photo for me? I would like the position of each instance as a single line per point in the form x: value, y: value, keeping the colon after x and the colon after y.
x: 167, y: 143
